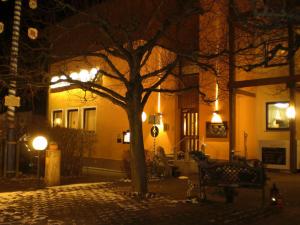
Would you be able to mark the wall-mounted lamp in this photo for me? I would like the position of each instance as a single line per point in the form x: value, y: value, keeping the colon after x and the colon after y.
x: 144, y: 116
x: 216, y: 118
x: 291, y: 112
x: 126, y: 137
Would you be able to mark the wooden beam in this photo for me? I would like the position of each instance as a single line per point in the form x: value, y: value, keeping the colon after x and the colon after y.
x: 292, y: 86
x: 246, y: 93
x: 232, y: 99
x: 265, y: 81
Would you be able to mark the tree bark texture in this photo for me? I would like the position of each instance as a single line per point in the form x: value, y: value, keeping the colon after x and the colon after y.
x: 137, y: 153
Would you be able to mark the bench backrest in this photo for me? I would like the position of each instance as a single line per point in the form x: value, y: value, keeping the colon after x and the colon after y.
x: 232, y: 173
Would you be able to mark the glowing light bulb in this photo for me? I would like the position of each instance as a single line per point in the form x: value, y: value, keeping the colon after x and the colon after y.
x: 144, y: 116
x: 39, y: 143
x: 291, y: 112
x: 74, y: 76
x: 216, y: 118
x: 84, y: 75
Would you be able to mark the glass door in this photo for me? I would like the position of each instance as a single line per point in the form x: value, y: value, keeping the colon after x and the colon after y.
x: 189, y: 130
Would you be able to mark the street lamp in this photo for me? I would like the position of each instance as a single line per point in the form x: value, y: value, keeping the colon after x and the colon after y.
x: 39, y: 143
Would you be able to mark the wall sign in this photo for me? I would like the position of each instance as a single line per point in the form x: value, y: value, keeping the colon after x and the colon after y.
x: 154, y: 131
x: 216, y: 130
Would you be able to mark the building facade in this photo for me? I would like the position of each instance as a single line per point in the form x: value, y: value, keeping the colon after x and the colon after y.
x: 256, y: 112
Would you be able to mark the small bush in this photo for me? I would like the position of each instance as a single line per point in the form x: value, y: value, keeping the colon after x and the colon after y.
x: 74, y: 144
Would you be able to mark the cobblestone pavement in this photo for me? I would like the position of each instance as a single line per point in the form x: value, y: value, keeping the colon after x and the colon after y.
x: 104, y: 203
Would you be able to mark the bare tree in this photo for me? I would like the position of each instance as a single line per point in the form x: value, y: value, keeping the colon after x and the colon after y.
x: 132, y: 35
x: 132, y: 32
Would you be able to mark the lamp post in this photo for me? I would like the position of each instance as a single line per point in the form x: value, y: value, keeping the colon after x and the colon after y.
x: 11, y: 100
x: 39, y: 144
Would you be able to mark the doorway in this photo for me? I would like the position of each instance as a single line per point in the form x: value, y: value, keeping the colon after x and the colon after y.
x: 189, y: 130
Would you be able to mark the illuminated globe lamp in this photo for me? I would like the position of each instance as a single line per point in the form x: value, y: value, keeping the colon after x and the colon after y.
x: 84, y: 75
x: 39, y: 143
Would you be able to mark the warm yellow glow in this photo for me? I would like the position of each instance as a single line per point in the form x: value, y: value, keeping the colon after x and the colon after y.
x: 54, y: 79
x: 60, y: 84
x: 158, y: 102
x: 1, y: 27
x: 83, y: 76
x: 74, y: 76
x: 217, y: 98
x: 144, y: 116
x: 282, y: 105
x: 39, y: 143
x: 33, y: 4
x: 93, y: 73
x: 277, y: 115
x: 32, y: 33
x: 216, y: 118
x: 160, y: 124
x: 126, y: 137
x: 57, y: 122
x: 291, y: 112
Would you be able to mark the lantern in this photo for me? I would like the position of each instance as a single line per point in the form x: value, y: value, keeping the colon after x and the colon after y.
x: 32, y: 33
x: 33, y: 4
x: 1, y: 27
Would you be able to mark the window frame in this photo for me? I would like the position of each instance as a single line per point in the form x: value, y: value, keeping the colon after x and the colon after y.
x: 267, y: 118
x: 62, y: 117
x: 84, y: 115
x: 67, y: 120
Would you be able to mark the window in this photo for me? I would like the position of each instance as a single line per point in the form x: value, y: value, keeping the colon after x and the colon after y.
x: 277, y: 118
x: 72, y: 118
x: 57, y: 118
x: 89, y: 119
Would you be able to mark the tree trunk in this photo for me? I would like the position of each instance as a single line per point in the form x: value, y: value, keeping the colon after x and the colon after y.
x: 138, y: 164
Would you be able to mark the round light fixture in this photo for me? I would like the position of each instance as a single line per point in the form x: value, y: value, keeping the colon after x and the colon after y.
x: 291, y: 112
x: 144, y: 116
x: 39, y: 143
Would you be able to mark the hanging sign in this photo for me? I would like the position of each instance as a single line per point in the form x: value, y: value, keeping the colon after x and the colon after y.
x: 12, y: 101
x: 154, y: 131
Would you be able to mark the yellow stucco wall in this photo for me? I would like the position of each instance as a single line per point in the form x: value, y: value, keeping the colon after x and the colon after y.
x: 111, y: 120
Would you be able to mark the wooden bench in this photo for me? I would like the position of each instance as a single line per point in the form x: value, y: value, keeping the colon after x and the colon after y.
x: 230, y: 175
